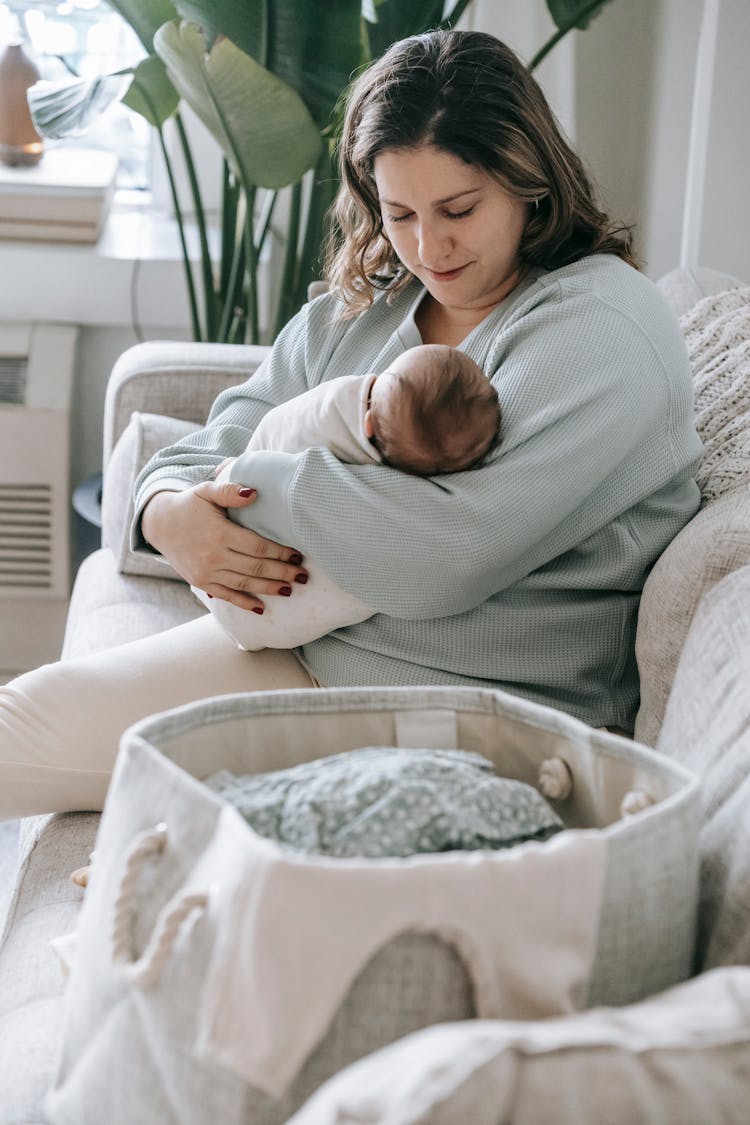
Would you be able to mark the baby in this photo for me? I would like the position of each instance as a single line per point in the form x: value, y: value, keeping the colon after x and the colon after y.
x: 432, y: 411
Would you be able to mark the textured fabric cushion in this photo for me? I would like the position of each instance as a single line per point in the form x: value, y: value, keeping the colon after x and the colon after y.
x: 707, y: 727
x: 682, y: 1057
x: 44, y: 906
x: 714, y: 312
x: 144, y: 436
x: 717, y: 334
x: 108, y: 608
x: 683, y: 288
x: 714, y: 543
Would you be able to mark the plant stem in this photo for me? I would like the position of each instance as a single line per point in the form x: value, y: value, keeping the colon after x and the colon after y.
x: 229, y: 196
x: 290, y: 259
x: 234, y: 287
x: 323, y: 187
x: 251, y: 267
x: 209, y: 291
x: 561, y: 32
x: 264, y: 219
x: 181, y: 228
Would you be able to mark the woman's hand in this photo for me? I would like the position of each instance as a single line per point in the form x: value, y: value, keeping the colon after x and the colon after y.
x: 192, y: 531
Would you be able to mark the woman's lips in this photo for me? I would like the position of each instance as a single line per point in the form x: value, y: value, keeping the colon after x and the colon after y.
x: 447, y: 275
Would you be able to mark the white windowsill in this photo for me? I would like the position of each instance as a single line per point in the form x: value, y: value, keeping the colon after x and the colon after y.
x: 86, y: 284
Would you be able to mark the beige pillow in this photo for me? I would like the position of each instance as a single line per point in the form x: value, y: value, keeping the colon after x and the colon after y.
x: 713, y: 544
x: 680, y: 1057
x: 717, y: 540
x: 145, y: 435
x: 707, y: 728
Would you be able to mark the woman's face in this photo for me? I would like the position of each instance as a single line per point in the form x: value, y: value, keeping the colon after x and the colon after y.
x: 451, y: 225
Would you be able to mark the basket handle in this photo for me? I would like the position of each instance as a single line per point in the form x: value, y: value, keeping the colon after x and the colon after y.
x: 145, y: 970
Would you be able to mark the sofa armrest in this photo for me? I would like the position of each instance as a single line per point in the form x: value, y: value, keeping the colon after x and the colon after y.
x: 174, y: 378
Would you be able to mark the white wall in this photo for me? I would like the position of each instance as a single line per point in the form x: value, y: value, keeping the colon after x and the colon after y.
x: 631, y: 74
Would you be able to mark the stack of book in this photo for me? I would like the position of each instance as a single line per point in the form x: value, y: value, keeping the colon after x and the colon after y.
x: 64, y: 198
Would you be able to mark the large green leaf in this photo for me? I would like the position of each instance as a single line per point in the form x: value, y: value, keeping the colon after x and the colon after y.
x: 261, y: 124
x: 66, y: 108
x: 313, y: 45
x: 568, y: 14
x: 390, y: 20
x: 151, y: 93
x: 145, y: 17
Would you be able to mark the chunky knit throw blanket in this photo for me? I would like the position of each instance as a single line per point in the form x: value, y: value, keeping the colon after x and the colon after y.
x: 717, y: 333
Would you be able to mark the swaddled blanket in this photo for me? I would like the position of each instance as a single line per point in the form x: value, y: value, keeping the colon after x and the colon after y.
x: 383, y: 801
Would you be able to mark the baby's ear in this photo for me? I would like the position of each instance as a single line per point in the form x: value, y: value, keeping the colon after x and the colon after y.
x: 369, y: 428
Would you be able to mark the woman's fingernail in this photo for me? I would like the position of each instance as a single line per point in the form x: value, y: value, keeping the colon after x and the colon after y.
x: 209, y: 595
x: 286, y: 591
x: 246, y: 491
x: 296, y: 559
x: 257, y: 609
x: 301, y: 578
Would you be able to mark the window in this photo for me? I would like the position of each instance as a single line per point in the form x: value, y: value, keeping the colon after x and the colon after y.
x: 86, y: 37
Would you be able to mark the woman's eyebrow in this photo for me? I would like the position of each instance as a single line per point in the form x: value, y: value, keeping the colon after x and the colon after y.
x: 436, y: 202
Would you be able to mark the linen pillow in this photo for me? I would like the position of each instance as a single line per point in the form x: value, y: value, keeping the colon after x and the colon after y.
x: 717, y: 540
x: 712, y: 545
x: 707, y: 728
x: 682, y: 1056
x: 144, y: 436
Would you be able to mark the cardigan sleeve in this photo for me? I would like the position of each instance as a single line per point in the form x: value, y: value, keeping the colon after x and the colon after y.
x: 588, y: 431
x: 587, y: 436
x: 284, y: 374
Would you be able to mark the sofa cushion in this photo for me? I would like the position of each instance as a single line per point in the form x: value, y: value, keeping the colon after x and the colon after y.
x: 716, y: 326
x: 683, y: 1056
x: 712, y: 545
x: 145, y: 435
x: 108, y: 608
x: 44, y: 906
x: 707, y: 728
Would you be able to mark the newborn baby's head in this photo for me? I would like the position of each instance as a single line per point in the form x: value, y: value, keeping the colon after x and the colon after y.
x: 433, y: 411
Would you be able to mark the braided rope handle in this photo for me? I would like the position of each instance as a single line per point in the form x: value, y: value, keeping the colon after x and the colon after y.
x: 146, y: 969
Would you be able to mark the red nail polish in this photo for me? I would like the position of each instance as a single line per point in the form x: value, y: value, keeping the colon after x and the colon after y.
x: 257, y: 609
x: 296, y: 559
x: 246, y: 492
x: 301, y: 578
x: 286, y: 591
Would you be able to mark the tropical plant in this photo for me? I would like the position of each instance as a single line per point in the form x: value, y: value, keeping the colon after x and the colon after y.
x: 266, y: 77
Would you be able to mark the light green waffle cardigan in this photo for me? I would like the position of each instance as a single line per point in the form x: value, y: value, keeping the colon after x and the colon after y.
x: 524, y: 574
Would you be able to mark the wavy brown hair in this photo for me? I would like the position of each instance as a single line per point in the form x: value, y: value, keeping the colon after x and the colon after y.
x: 466, y: 93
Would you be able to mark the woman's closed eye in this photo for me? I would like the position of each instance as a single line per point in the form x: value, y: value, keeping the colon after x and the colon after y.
x: 461, y: 214
x: 448, y: 215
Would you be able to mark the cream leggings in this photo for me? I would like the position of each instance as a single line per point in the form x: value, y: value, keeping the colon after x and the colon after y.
x: 60, y: 725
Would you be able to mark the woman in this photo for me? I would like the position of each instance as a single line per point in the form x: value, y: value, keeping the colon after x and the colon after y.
x: 468, y: 221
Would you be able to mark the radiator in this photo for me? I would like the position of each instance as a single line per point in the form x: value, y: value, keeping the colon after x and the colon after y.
x: 36, y: 379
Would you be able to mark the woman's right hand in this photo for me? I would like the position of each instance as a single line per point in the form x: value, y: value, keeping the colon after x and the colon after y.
x: 192, y: 531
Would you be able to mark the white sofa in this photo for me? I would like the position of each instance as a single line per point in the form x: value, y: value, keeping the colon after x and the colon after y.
x: 695, y: 611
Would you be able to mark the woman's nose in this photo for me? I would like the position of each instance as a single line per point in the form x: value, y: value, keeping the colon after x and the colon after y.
x: 434, y: 244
